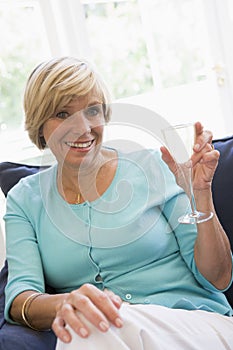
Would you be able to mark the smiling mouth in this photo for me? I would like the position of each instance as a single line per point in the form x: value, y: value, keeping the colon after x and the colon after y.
x: 80, y: 145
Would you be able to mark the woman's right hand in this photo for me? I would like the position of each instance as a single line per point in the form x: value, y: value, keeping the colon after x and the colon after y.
x: 99, y: 307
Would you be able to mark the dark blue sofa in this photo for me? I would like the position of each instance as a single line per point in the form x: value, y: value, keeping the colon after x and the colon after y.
x: 22, y: 338
x: 14, y: 337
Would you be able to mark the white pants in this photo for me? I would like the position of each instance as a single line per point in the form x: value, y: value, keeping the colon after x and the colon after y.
x: 152, y: 327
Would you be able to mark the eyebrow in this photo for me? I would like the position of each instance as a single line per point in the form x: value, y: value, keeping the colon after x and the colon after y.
x: 92, y: 103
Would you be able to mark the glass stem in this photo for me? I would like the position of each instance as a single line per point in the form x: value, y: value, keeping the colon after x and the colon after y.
x: 192, y: 199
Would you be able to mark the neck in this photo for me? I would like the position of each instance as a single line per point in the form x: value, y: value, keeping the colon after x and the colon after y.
x: 77, y: 184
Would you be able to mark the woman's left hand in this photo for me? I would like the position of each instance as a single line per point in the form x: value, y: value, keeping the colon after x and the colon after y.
x: 204, y: 161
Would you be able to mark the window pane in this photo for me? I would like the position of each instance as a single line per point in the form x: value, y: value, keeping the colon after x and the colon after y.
x: 180, y: 40
x: 118, y: 46
x: 23, y: 45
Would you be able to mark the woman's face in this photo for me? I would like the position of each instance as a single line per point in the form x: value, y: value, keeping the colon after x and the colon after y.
x: 75, y: 133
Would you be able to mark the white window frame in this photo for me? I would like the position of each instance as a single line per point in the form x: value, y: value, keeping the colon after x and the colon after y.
x: 67, y: 33
x: 65, y: 25
x: 221, y: 33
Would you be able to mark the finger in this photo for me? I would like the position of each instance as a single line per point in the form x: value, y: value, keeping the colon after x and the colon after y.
x: 168, y: 159
x: 96, y: 306
x: 211, y: 157
x: 207, y: 152
x: 202, y: 137
x: 104, y: 303
x: 117, y: 301
x: 67, y: 315
x: 58, y: 326
x: 198, y: 128
x: 84, y: 305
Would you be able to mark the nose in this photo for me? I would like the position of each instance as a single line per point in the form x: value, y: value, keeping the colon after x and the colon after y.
x: 79, y: 124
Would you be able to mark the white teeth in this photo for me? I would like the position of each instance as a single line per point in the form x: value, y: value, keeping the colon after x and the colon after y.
x: 79, y: 145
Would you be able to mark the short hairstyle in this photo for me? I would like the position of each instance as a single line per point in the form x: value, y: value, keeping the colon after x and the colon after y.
x: 52, y: 85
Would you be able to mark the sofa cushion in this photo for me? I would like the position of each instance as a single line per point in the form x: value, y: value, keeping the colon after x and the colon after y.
x: 223, y: 185
x: 223, y: 192
x: 13, y: 337
x: 18, y: 337
x: 11, y: 173
x: 3, y: 281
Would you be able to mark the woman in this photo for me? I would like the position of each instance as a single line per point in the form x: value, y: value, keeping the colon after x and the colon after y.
x: 100, y: 227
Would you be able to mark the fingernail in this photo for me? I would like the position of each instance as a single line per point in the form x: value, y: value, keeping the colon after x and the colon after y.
x: 197, y: 147
x: 83, y: 332
x: 103, y: 326
x: 118, y: 322
x: 117, y: 299
x: 65, y: 338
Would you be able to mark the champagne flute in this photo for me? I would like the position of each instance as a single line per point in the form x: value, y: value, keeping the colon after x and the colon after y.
x: 179, y: 140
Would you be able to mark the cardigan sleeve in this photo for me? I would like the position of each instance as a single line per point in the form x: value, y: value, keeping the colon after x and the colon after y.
x: 23, y: 256
x: 175, y: 205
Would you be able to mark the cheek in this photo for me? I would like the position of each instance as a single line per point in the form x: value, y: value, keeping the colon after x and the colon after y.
x: 52, y: 131
x: 99, y: 130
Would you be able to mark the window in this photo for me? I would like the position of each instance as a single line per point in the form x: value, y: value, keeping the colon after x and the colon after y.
x: 118, y: 46
x: 159, y: 54
x: 23, y: 43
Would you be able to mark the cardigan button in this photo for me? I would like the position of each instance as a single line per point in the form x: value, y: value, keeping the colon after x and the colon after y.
x: 147, y: 301
x: 128, y: 296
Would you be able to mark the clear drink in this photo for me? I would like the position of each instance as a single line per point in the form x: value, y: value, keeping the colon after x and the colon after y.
x: 180, y: 140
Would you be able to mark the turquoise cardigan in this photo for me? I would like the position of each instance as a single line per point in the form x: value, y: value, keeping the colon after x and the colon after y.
x: 128, y: 240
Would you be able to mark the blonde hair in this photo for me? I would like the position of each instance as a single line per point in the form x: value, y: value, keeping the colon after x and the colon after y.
x: 52, y: 85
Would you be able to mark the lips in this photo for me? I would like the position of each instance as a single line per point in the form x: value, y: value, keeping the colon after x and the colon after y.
x: 80, y: 145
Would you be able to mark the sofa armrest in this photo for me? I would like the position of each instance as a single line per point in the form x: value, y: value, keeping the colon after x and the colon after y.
x: 21, y: 338
x: 223, y: 185
x: 223, y: 192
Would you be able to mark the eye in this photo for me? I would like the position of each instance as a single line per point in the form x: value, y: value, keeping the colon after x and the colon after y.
x: 93, y: 111
x: 62, y: 115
